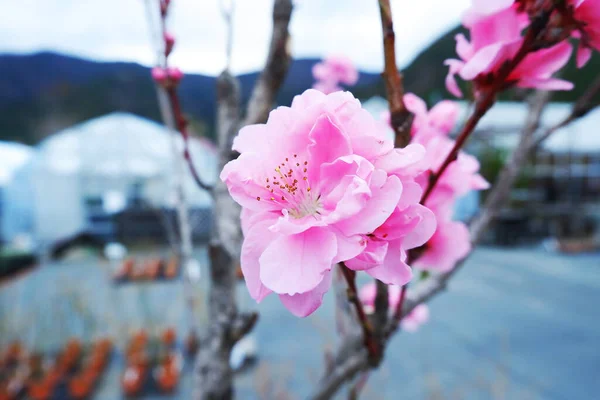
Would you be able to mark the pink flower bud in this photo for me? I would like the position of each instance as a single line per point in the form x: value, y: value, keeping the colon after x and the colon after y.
x: 164, y: 7
x: 169, y: 43
x: 159, y: 75
x: 175, y: 75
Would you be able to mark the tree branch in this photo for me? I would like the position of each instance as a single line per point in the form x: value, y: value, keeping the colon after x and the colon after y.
x: 582, y: 106
x: 369, y: 339
x: 279, y: 59
x: 400, y: 118
x: 214, y: 378
x: 488, y: 97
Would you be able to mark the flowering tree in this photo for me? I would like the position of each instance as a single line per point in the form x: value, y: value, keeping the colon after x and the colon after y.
x: 321, y: 192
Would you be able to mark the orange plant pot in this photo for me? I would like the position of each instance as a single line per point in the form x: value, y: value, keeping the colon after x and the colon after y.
x: 80, y: 387
x: 169, y: 336
x: 132, y: 380
x: 192, y: 344
x: 172, y: 267
x: 39, y: 390
x: 167, y: 378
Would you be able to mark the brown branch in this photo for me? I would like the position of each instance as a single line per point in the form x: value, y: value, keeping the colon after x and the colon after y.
x: 380, y: 316
x: 278, y: 61
x: 182, y: 129
x: 401, y: 119
x: 174, y: 103
x: 214, y: 378
x: 350, y: 362
x: 582, y: 107
x: 488, y: 98
x: 369, y: 340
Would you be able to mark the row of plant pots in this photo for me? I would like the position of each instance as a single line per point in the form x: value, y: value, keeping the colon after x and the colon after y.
x: 72, y: 374
x: 151, y: 365
x: 151, y: 269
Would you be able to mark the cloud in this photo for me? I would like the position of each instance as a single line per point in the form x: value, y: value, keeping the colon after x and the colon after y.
x: 118, y: 30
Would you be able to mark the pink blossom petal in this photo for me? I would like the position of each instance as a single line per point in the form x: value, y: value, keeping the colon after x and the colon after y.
x: 583, y: 55
x: 257, y: 239
x: 484, y: 61
x: 296, y: 264
x: 403, y: 162
x: 376, y: 211
x: 545, y: 84
x: 463, y: 47
x: 450, y: 243
x: 423, y: 231
x: 443, y: 116
x: 348, y: 246
x: 372, y: 256
x: 304, y: 304
x: 328, y: 144
x: 454, y: 68
x: 394, y: 270
x: 543, y: 63
x: 251, y: 138
x: 307, y: 99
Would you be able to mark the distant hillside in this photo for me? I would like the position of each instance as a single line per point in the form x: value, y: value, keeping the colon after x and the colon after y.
x: 45, y: 92
x: 426, y: 73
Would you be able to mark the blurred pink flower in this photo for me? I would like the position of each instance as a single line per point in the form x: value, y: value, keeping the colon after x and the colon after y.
x: 431, y: 129
x: 169, y: 76
x: 320, y: 184
x: 417, y: 317
x: 169, y: 40
x: 411, y: 322
x: 495, y: 39
x: 159, y: 74
x: 587, y: 12
x: 332, y: 71
x: 450, y: 243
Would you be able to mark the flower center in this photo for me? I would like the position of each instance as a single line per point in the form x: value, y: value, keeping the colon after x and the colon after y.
x: 289, y: 187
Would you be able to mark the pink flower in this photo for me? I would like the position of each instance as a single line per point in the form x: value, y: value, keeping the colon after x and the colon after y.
x: 587, y: 12
x: 451, y: 241
x: 169, y: 40
x: 496, y: 39
x: 326, y: 86
x: 167, y: 77
x: 319, y: 184
x: 159, y: 74
x: 332, y: 71
x: 417, y: 317
x: 411, y: 322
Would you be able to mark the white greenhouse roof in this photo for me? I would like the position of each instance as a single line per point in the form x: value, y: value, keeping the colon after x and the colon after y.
x: 505, y: 120
x: 120, y: 144
x: 12, y: 156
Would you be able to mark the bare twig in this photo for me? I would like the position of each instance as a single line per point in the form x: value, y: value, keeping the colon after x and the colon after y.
x: 350, y: 362
x: 370, y: 342
x: 488, y: 98
x: 227, y: 9
x: 227, y: 326
x: 279, y: 59
x: 182, y: 128
x: 401, y: 119
x: 175, y: 104
x: 582, y: 106
x: 185, y: 248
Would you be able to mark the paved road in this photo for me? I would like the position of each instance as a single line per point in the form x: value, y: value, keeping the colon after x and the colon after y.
x: 514, y: 324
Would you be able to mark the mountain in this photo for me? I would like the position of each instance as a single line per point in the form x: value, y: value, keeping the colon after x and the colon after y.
x: 45, y: 92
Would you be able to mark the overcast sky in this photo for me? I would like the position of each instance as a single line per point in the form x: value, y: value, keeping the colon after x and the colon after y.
x: 118, y: 30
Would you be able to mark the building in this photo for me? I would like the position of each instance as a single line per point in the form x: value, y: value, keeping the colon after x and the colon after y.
x: 88, y: 177
x: 12, y: 157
